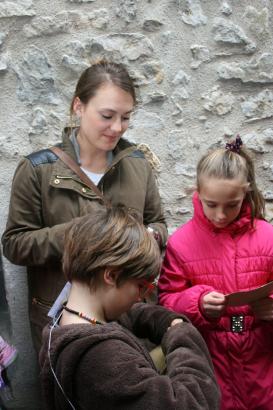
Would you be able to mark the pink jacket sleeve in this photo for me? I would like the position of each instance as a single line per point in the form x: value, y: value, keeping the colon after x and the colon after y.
x: 176, y: 291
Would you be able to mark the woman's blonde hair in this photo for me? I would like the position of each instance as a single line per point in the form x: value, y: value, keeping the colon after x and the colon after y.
x: 229, y: 163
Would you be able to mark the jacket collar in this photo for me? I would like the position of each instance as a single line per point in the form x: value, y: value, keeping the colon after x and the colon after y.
x: 241, y: 224
x: 122, y: 149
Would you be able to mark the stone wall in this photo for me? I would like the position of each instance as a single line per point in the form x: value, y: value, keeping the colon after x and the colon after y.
x: 205, y: 73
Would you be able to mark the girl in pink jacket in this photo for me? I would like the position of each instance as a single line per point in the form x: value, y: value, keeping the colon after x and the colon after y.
x: 226, y: 247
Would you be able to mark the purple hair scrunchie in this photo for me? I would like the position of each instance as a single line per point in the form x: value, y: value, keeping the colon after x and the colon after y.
x: 235, y: 146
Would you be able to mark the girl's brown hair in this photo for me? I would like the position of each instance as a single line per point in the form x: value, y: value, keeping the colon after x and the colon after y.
x: 111, y: 239
x: 228, y: 164
x: 98, y: 74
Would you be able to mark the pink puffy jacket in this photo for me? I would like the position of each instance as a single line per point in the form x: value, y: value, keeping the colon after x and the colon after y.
x: 201, y: 258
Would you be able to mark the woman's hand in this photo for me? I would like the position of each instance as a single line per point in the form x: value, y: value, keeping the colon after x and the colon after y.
x: 213, y: 304
x: 263, y: 309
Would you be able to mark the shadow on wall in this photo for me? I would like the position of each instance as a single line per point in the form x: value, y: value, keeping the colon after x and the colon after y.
x: 22, y: 389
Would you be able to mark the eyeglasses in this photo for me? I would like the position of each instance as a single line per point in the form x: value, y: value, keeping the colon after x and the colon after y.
x: 146, y: 288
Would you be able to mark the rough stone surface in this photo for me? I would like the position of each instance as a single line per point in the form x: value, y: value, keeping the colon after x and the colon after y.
x: 200, y: 54
x: 3, y: 63
x: 259, y: 106
x: 255, y: 143
x: 154, y: 98
x: 46, y: 26
x: 227, y: 32
x: 81, y: 1
x: 16, y: 8
x: 152, y: 25
x: 65, y: 22
x: 128, y: 46
x: 127, y: 10
x: 191, y: 12
x: 257, y: 70
x: 2, y: 38
x: 258, y: 22
x: 204, y: 71
x: 226, y: 9
x: 181, y: 84
x: 218, y: 102
x: 36, y: 78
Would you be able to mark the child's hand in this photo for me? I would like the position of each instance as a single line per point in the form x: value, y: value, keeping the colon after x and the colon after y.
x: 175, y: 322
x: 263, y: 309
x: 213, y: 304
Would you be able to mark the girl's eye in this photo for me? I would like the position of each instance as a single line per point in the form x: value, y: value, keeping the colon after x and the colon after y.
x: 211, y: 205
x: 125, y: 118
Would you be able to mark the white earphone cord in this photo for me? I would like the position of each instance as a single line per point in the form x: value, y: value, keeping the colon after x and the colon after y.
x: 50, y: 363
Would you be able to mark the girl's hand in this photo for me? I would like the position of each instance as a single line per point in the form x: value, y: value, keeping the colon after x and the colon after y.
x: 213, y: 304
x: 263, y: 309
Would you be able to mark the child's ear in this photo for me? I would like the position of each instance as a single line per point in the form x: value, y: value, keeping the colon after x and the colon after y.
x: 110, y: 276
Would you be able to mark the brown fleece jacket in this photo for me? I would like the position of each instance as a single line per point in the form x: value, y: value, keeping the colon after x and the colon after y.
x: 106, y: 367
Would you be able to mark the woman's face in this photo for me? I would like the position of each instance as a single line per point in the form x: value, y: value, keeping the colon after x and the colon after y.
x: 104, y: 118
x: 222, y: 199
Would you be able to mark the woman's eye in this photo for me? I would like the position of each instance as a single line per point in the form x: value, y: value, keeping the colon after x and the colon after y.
x: 106, y: 117
x: 211, y: 205
x: 125, y: 118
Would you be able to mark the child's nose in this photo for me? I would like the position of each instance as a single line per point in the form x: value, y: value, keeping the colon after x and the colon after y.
x: 221, y: 214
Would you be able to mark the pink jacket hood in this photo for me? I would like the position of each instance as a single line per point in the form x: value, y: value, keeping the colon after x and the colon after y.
x: 242, y: 223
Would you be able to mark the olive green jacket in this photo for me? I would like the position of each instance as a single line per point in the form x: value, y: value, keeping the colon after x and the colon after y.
x: 47, y: 196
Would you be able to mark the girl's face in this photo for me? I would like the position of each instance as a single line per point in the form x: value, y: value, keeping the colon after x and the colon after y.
x: 222, y: 199
x: 105, y: 117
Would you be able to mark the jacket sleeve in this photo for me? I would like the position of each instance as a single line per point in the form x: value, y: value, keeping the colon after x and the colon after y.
x: 26, y: 241
x: 124, y: 377
x: 150, y: 321
x: 153, y: 213
x: 177, y: 293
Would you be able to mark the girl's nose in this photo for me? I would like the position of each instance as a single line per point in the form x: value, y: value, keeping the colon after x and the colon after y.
x: 221, y: 215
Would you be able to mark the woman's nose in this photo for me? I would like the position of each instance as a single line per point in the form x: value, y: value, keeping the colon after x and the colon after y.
x: 116, y: 125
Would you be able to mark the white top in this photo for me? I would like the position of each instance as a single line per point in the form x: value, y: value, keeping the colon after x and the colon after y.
x: 93, y: 176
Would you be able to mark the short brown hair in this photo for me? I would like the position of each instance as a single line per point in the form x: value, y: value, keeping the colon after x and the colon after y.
x: 99, y: 73
x: 110, y: 239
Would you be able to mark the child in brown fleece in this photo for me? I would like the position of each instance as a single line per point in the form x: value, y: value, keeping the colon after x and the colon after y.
x: 91, y: 355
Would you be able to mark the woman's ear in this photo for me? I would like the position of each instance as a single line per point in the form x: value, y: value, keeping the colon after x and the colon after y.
x: 77, y: 107
x: 110, y: 277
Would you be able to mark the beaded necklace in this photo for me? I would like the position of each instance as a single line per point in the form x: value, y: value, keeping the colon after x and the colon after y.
x: 83, y: 316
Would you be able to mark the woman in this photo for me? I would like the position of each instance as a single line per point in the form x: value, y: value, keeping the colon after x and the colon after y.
x: 88, y: 360
x: 47, y: 195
